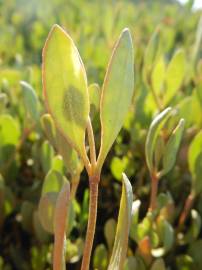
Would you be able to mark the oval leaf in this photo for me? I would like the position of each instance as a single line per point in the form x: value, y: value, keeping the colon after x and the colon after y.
x: 121, y: 239
x: 65, y: 87
x: 117, y: 92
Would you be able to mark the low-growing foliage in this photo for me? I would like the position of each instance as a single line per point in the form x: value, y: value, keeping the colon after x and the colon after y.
x: 70, y: 134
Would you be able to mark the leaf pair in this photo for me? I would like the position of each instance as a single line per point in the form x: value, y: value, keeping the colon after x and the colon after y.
x: 66, y: 90
x: 168, y: 150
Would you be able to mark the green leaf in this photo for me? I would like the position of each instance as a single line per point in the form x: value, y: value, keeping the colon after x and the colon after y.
x: 151, y: 54
x: 117, y: 92
x: 30, y: 100
x: 60, y: 221
x: 53, y: 182
x: 118, y: 166
x: 174, y: 75
x: 195, y: 161
x: 109, y: 232
x: 46, y: 156
x: 65, y: 87
x: 158, y: 74
x: 123, y: 226
x: 49, y: 128
x: 71, y: 160
x: 152, y: 136
x: 46, y: 210
x: 9, y: 130
x: 172, y: 146
x: 40, y: 233
x: 100, y: 259
x: 166, y: 234
x: 197, y: 45
x: 74, y: 250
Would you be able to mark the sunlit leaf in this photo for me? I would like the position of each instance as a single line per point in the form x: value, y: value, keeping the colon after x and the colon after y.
x: 123, y: 227
x: 157, y: 77
x: 65, y: 87
x: 117, y: 92
x: 174, y: 75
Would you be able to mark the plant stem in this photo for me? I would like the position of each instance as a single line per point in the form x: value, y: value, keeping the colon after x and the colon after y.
x: 154, y: 191
x: 187, y: 207
x: 74, y: 186
x: 93, y: 181
x: 91, y: 141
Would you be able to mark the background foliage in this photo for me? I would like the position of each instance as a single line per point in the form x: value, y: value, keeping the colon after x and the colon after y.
x: 168, y: 62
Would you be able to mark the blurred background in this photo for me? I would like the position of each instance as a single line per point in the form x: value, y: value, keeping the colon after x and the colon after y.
x: 26, y: 157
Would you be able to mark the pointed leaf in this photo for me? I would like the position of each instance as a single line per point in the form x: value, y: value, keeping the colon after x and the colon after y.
x: 117, y: 92
x: 65, y: 87
x: 152, y: 136
x: 121, y: 239
x: 172, y: 146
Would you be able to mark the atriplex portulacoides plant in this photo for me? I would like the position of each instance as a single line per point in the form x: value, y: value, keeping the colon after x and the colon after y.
x: 68, y: 103
x: 161, y: 149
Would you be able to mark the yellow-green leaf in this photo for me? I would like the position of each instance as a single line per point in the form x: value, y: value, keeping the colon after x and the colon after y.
x: 117, y: 92
x: 174, y: 75
x: 158, y: 74
x: 121, y: 239
x: 65, y: 87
